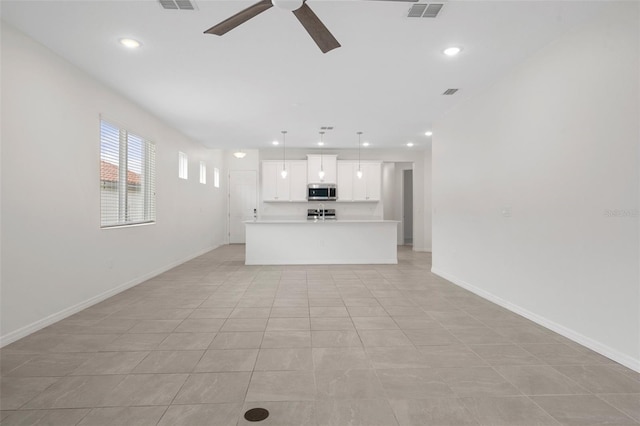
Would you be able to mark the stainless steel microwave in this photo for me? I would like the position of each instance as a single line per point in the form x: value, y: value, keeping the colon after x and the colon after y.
x: 322, y: 192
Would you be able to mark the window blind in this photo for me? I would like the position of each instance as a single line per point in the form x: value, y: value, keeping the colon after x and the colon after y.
x: 127, y: 177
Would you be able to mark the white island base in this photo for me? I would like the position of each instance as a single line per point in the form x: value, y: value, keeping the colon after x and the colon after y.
x: 321, y: 242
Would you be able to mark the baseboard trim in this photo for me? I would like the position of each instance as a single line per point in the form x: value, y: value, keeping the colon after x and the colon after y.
x: 422, y: 249
x: 570, y: 334
x: 267, y: 262
x: 67, y: 312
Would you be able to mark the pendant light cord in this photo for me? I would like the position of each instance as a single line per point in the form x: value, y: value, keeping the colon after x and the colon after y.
x: 284, y: 150
x: 321, y: 151
x: 359, y: 135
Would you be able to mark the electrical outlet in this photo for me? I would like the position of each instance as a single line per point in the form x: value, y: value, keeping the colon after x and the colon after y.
x: 506, y: 212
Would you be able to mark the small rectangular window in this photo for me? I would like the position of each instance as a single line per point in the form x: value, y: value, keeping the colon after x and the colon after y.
x: 216, y: 177
x: 127, y: 177
x: 203, y: 172
x: 183, y: 165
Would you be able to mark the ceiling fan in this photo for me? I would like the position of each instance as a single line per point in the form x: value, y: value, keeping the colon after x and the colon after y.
x: 309, y: 20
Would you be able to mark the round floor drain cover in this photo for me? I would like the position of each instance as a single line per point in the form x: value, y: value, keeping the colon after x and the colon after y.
x: 256, y: 414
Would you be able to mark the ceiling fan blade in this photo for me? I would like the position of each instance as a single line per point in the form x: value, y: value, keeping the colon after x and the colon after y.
x: 239, y: 18
x: 316, y: 29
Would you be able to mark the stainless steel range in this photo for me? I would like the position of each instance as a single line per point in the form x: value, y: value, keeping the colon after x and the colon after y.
x: 321, y: 214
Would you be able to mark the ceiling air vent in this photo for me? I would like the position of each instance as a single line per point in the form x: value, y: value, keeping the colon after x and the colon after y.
x: 432, y: 10
x: 326, y: 128
x: 450, y: 91
x: 177, y: 4
x: 417, y: 10
x: 425, y: 10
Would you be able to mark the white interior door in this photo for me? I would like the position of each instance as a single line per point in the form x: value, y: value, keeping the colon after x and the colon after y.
x: 243, y: 199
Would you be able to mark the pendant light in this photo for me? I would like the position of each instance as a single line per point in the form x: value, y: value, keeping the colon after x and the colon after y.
x: 359, y: 172
x: 283, y: 173
x: 321, y: 172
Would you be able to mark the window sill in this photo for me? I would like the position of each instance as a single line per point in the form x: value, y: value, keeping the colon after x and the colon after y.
x: 128, y: 225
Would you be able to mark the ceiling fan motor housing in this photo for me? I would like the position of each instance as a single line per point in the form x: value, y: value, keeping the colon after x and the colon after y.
x: 289, y: 5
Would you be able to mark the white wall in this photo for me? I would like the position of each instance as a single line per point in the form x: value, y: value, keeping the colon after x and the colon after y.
x: 555, y: 142
x: 428, y: 203
x: 388, y: 185
x: 55, y: 258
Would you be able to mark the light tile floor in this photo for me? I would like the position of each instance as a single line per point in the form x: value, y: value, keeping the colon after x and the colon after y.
x: 315, y: 345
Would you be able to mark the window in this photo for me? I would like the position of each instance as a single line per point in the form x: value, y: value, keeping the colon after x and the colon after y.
x: 216, y: 177
x: 127, y: 177
x: 183, y: 165
x: 203, y: 172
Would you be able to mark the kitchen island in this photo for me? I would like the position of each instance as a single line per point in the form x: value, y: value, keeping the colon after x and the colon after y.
x: 309, y: 242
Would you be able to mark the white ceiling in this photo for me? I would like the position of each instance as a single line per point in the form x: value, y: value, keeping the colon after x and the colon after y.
x: 242, y: 89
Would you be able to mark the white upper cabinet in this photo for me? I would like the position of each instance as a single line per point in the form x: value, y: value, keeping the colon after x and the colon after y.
x: 352, y: 188
x: 301, y: 172
x: 344, y: 183
x: 291, y: 188
x: 372, y: 175
x: 328, y: 163
x: 274, y: 187
x: 298, y: 180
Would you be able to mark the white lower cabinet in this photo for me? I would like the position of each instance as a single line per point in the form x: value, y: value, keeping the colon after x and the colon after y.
x: 352, y: 188
x: 277, y: 189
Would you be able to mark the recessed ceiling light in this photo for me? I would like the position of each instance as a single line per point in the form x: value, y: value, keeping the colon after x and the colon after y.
x: 239, y: 154
x: 409, y: 144
x: 130, y: 43
x: 365, y: 143
x: 275, y: 143
x: 320, y: 143
x: 452, y: 51
x: 429, y: 133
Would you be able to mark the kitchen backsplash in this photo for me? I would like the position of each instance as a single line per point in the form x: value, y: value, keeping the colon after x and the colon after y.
x: 344, y: 211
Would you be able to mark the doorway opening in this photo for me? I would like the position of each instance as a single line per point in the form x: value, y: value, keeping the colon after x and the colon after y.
x: 407, y: 207
x: 397, y: 198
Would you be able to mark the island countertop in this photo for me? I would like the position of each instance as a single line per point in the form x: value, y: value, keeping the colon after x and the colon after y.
x: 318, y: 242
x: 315, y: 221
